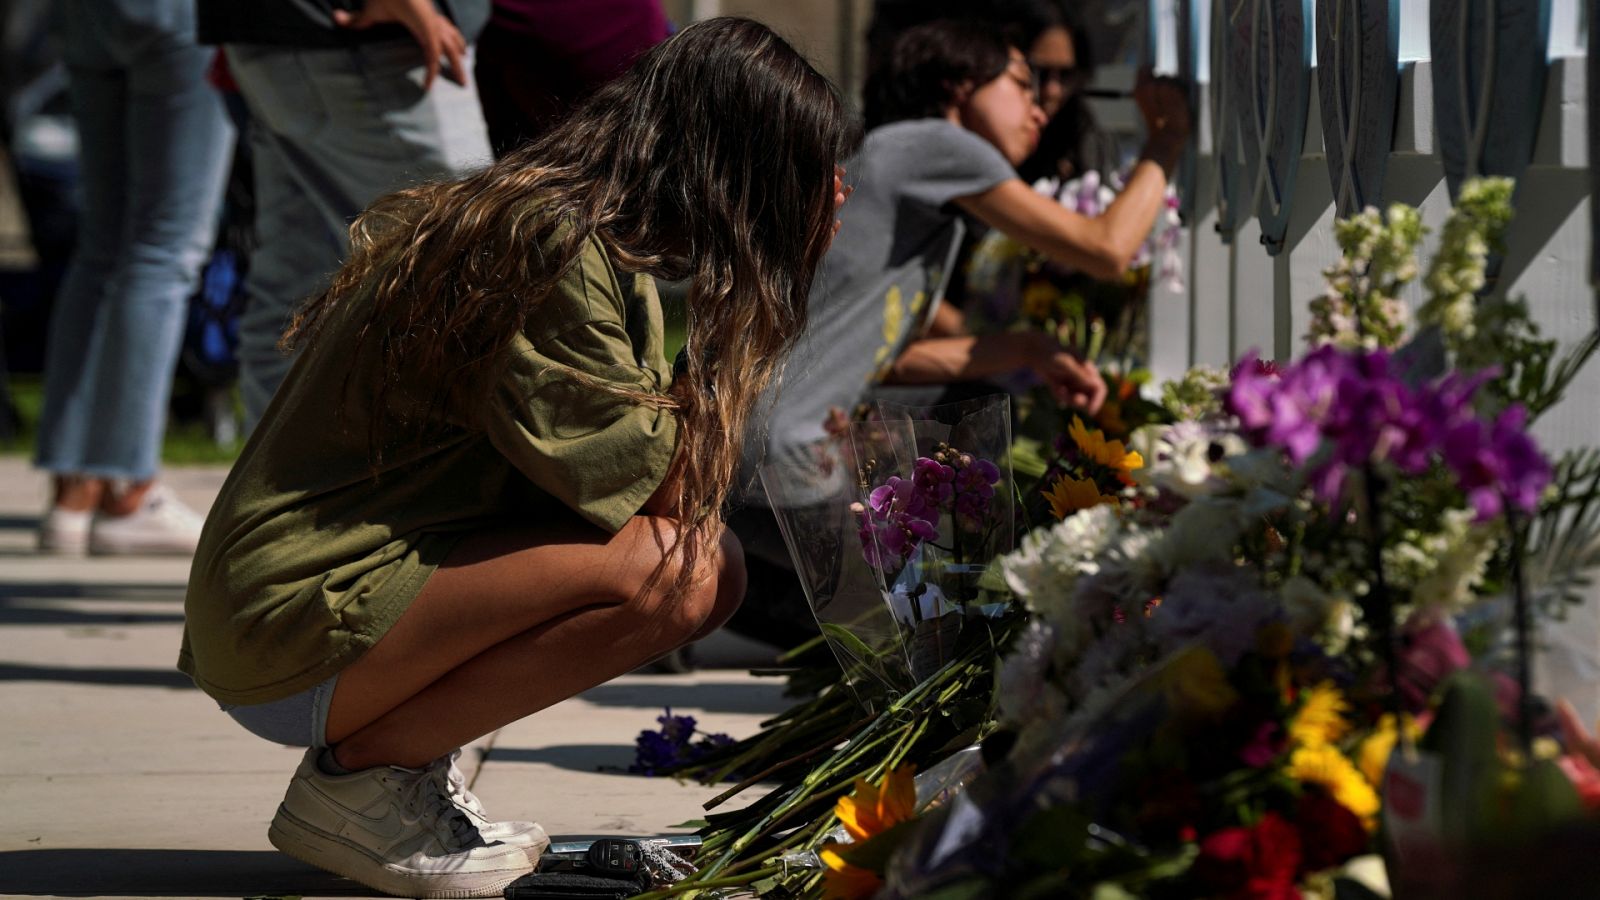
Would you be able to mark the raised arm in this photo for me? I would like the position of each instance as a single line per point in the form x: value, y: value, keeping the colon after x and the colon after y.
x: 1102, y: 246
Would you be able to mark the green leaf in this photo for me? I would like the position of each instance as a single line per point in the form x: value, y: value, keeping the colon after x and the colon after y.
x: 1543, y: 800
x: 846, y: 639
x: 695, y: 824
x: 1464, y: 735
x: 1028, y: 458
x: 874, y: 852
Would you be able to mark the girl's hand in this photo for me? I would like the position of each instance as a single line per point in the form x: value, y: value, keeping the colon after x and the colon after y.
x: 433, y: 31
x: 1072, y: 381
x: 1165, y: 106
x: 840, y: 195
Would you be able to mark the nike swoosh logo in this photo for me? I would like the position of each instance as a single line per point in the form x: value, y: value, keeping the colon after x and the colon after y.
x: 387, y: 828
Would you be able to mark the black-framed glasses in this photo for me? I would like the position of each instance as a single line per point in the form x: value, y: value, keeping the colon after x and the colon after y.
x: 1066, y: 76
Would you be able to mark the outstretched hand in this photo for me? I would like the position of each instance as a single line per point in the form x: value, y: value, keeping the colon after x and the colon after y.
x: 434, y: 32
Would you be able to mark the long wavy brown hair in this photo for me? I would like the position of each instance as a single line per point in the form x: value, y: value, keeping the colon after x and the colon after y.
x: 712, y: 159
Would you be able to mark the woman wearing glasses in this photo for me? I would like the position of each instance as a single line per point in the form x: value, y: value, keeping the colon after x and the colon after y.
x: 1062, y: 60
x: 951, y: 111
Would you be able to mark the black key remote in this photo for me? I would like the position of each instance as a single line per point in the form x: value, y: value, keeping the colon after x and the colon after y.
x: 616, y: 857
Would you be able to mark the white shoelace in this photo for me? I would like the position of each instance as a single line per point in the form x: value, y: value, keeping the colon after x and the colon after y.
x: 456, y: 784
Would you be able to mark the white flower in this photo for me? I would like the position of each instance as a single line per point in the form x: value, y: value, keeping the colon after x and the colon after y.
x: 1026, y: 692
x: 1220, y: 604
x: 1045, y: 569
x: 1183, y: 458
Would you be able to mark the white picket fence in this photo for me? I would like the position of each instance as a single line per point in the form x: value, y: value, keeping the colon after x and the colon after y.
x: 1239, y: 297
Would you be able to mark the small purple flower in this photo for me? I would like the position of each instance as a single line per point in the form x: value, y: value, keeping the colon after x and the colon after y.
x: 676, y: 728
x: 1264, y: 745
x: 673, y: 745
x: 980, y: 475
x: 1353, y: 406
x: 933, y: 480
x: 1497, y: 462
x: 894, y: 521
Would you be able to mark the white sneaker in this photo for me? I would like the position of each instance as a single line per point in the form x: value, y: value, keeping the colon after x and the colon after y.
x: 530, y: 836
x: 162, y: 524
x: 394, y: 830
x: 65, y: 531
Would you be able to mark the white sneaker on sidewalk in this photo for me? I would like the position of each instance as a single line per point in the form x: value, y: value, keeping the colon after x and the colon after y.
x: 394, y: 830
x: 65, y: 531
x: 161, y: 525
x: 530, y: 836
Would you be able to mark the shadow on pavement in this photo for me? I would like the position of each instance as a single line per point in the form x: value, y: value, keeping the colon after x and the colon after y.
x: 11, y: 614
x: 610, y: 759
x: 77, y: 590
x: 166, y: 873
x: 168, y: 678
x: 736, y: 697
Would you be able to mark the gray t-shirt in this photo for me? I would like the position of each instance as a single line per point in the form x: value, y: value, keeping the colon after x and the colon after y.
x: 878, y: 284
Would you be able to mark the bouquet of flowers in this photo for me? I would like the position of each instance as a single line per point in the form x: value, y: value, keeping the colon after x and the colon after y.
x: 1276, y: 640
x: 928, y: 507
x: 1242, y: 662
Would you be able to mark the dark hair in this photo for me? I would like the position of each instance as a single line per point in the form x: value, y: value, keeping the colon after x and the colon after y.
x: 919, y: 76
x: 891, y: 18
x: 712, y: 158
x: 1071, y: 141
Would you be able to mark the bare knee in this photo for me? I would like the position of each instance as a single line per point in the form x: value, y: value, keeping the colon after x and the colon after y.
x: 729, y: 586
x: 682, y: 608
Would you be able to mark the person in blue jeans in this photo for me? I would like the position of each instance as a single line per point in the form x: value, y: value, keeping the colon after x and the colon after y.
x: 154, y: 145
x: 345, y: 107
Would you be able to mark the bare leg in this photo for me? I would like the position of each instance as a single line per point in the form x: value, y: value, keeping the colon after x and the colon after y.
x: 78, y: 493
x: 517, y: 621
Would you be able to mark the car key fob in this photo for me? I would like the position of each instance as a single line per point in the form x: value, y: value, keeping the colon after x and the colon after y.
x: 615, y: 857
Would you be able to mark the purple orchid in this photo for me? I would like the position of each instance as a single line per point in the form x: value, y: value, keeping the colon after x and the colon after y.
x: 902, y: 513
x: 1352, y: 408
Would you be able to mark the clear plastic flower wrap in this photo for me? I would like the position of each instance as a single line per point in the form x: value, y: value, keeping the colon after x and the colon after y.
x: 893, y: 524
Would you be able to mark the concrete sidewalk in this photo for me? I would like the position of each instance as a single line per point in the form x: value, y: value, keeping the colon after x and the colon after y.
x: 119, y: 779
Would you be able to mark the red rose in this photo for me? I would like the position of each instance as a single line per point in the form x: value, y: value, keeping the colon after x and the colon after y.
x: 1255, y: 863
x: 1329, y: 832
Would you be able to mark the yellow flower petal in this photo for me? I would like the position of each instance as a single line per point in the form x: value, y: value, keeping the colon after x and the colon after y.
x: 897, y: 800
x: 848, y: 882
x: 1324, y: 765
x: 1068, y: 495
x: 1321, y: 718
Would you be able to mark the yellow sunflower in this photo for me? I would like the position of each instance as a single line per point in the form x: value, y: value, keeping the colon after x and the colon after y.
x: 1068, y: 495
x: 1321, y: 717
x: 1324, y: 765
x: 867, y: 812
x: 1372, y: 756
x: 1111, y: 454
x: 843, y: 881
x: 873, y: 810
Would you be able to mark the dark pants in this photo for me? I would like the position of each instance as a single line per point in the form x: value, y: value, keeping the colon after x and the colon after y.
x: 775, y: 610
